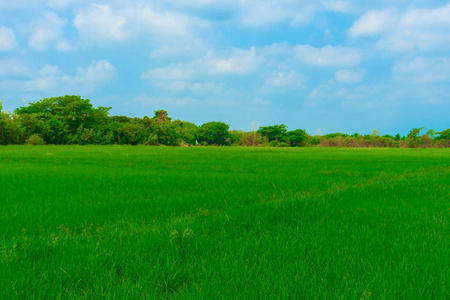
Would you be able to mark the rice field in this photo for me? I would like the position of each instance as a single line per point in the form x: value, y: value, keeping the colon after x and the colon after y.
x: 142, y: 222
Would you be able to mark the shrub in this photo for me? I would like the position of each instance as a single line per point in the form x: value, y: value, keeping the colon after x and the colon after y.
x: 35, y: 140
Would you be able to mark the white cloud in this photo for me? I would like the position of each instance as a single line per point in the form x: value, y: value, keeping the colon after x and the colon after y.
x: 338, y: 56
x: 169, y: 73
x: 261, y: 102
x: 64, y: 4
x: 195, y: 87
x: 149, y: 101
x: 47, y: 31
x: 338, y: 6
x: 285, y: 79
x: 427, y: 18
x: 323, y: 92
x: 18, y: 4
x: 98, y: 71
x: 240, y: 62
x: 59, y: 3
x: 163, y: 23
x: 350, y: 96
x: 414, y: 29
x: 266, y: 13
x: 373, y: 23
x: 7, y: 39
x: 63, y: 46
x: 423, y: 70
x: 200, y: 75
x: 51, y: 79
x: 161, y: 27
x: 100, y: 22
x: 297, y: 13
x: 13, y: 67
x: 235, y: 62
x: 179, y: 50
x: 49, y: 70
x: 349, y: 76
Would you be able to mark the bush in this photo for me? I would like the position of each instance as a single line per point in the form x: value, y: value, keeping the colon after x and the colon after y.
x: 442, y: 144
x: 35, y: 140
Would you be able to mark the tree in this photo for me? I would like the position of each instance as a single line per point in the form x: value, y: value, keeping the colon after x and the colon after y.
x: 214, y: 133
x: 11, y: 129
x: 375, y: 133
x: 432, y: 133
x: 61, y: 117
x: 413, y: 138
x: 444, y: 135
x: 297, y: 137
x: 275, y: 133
x: 3, y: 122
x: 162, y: 116
x: 161, y: 129
x: 186, y: 131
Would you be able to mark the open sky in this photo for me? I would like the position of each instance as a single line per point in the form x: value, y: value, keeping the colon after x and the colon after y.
x: 328, y: 65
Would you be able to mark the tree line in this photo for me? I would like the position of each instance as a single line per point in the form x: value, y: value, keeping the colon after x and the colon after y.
x: 72, y: 120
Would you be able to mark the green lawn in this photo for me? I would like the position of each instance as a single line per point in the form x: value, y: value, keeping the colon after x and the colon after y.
x: 211, y: 222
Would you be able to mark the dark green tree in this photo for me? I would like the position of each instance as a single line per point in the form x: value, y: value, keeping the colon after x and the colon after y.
x: 214, y: 133
x: 186, y: 131
x: 275, y: 133
x: 11, y: 129
x: 61, y: 117
x: 4, y: 117
x: 444, y: 135
x: 161, y: 130
x: 297, y: 137
x: 5, y: 126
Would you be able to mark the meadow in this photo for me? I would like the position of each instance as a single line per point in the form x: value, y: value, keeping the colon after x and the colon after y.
x: 224, y: 222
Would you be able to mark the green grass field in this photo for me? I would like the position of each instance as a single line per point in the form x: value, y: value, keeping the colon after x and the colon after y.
x: 210, y: 222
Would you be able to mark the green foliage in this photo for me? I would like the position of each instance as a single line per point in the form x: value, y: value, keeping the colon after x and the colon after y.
x: 315, y: 140
x: 214, y: 133
x: 332, y: 135
x: 375, y: 133
x: 35, y: 140
x: 72, y: 120
x: 61, y: 120
x: 298, y: 137
x: 444, y: 135
x: 11, y: 129
x: 432, y: 133
x: 161, y: 116
x: 3, y: 121
x: 186, y: 131
x: 167, y: 134
x: 413, y: 138
x: 275, y: 134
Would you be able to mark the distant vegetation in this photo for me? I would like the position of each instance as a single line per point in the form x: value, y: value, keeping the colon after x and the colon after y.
x: 72, y: 120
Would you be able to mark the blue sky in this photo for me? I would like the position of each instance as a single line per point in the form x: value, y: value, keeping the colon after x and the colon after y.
x: 333, y: 66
